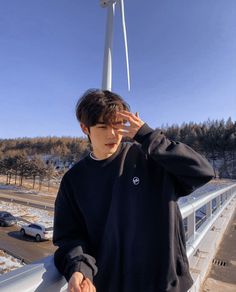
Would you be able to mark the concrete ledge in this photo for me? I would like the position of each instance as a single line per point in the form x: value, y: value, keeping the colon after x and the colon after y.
x: 200, y: 261
x: 41, y: 276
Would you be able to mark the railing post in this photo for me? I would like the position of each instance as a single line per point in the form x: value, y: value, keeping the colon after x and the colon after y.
x: 218, y: 202
x: 226, y: 195
x: 191, y: 225
x: 209, y: 209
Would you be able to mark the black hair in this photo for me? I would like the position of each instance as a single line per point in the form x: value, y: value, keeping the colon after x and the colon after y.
x: 97, y: 104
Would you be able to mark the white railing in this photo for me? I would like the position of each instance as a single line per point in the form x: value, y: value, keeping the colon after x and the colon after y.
x: 42, y: 276
x: 210, y: 206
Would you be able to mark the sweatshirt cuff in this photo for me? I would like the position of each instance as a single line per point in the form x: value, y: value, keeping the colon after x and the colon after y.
x: 142, y: 133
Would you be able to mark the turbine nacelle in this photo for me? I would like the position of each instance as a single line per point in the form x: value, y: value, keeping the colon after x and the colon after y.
x: 105, y: 3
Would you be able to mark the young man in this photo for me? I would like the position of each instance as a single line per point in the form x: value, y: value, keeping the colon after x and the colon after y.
x: 117, y: 224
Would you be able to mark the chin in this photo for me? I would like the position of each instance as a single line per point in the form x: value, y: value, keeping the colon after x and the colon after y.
x: 112, y: 151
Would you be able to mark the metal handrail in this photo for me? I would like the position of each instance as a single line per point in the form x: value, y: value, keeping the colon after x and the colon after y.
x: 194, y: 235
x: 42, y: 276
x: 197, y: 203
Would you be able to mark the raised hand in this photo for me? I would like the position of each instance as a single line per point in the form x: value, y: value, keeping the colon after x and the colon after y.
x: 135, y: 123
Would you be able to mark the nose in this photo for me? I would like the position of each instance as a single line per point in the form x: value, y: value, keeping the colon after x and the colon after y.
x: 111, y: 132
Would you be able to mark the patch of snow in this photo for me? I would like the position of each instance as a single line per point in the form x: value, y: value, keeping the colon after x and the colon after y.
x: 8, y: 263
x: 25, y: 214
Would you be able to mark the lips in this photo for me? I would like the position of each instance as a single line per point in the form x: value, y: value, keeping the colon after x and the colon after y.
x: 110, y: 144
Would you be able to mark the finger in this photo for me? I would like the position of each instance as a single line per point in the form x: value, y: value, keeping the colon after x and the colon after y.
x: 123, y: 127
x: 131, y: 123
x: 127, y: 115
x: 137, y: 114
x: 88, y: 285
x: 72, y: 288
x: 125, y: 112
x: 122, y: 131
x: 84, y: 286
x: 125, y: 133
x: 91, y: 286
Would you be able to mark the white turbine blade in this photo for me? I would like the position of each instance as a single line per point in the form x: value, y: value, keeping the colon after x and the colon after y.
x: 122, y: 9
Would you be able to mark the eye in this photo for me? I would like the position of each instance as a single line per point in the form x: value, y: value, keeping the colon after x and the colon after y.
x: 117, y: 124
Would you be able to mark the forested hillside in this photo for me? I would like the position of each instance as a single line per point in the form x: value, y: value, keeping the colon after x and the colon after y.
x: 214, y: 139
x: 40, y: 159
x: 45, y: 158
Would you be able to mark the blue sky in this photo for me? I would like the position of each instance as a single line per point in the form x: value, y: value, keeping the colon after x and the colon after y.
x: 182, y: 62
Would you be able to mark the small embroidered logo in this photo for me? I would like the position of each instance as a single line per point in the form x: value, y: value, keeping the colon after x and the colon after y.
x: 136, y: 180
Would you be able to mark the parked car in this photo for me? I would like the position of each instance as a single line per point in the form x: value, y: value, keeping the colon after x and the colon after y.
x: 7, y: 219
x: 39, y: 231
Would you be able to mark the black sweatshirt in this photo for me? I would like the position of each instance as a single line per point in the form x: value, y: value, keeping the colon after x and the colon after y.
x: 122, y: 212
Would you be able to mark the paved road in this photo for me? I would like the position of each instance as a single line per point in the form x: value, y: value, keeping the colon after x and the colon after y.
x: 222, y: 276
x: 35, y: 200
x: 29, y: 195
x: 24, y: 247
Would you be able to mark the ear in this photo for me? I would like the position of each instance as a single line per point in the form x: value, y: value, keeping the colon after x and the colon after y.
x: 84, y: 129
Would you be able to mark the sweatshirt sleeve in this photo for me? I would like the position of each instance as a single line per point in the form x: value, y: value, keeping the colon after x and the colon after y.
x: 70, y: 235
x: 189, y: 169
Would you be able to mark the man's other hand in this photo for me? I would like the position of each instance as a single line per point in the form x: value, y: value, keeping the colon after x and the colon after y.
x: 78, y: 283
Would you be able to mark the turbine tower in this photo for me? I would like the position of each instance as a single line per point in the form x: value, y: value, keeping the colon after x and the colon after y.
x: 107, y: 62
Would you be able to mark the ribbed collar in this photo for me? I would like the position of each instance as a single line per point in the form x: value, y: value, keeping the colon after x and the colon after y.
x: 101, y: 163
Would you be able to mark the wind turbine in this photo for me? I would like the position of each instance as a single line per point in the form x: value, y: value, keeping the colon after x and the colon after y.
x: 107, y: 62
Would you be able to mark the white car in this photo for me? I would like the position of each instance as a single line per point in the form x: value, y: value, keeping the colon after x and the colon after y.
x: 38, y: 231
